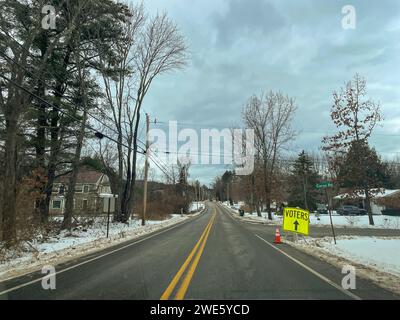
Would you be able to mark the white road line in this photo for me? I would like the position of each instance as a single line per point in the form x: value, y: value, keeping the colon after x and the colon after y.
x: 350, y: 294
x: 96, y: 258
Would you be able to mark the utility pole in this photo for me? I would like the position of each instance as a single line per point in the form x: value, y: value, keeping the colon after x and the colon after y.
x: 227, y: 189
x: 146, y: 170
x: 330, y: 214
x: 197, y: 195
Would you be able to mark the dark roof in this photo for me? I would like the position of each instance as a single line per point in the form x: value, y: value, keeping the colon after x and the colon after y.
x: 86, y: 174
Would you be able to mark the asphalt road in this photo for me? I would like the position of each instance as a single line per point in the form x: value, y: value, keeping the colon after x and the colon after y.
x: 213, y: 256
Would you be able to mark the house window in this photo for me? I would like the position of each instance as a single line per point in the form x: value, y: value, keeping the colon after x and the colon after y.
x: 84, y: 204
x: 85, y: 189
x: 78, y: 189
x: 56, y: 204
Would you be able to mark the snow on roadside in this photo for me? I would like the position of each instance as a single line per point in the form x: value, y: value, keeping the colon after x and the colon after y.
x: 80, y: 242
x: 375, y: 258
x: 194, y: 206
x: 381, y: 221
x: 376, y: 252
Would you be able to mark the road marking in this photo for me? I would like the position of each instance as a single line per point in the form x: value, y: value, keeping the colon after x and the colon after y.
x: 182, y: 269
x: 179, y: 274
x: 185, y: 284
x: 350, y: 294
x: 95, y: 258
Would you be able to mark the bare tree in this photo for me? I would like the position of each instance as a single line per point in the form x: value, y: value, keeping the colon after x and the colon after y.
x: 270, y: 116
x: 116, y: 77
x: 356, y: 117
x: 161, y: 49
x: 152, y: 46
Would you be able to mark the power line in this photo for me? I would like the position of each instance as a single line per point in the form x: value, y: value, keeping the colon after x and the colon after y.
x: 164, y: 170
x: 76, y: 119
x: 204, y: 125
x: 97, y: 133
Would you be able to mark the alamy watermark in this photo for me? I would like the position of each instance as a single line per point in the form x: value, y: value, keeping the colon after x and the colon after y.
x: 209, y: 147
x: 349, y: 280
x: 49, y: 280
x: 349, y: 21
x: 49, y: 20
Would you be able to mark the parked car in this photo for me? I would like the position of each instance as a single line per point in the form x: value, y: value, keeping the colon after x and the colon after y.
x: 351, y: 210
x: 322, y: 211
x: 322, y: 208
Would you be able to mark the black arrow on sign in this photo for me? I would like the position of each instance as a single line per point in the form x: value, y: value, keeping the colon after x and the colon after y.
x: 296, y: 224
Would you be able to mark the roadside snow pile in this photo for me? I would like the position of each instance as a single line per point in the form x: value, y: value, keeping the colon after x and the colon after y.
x: 79, y: 242
x: 375, y: 252
x: 374, y: 258
x: 194, y: 206
x: 381, y: 222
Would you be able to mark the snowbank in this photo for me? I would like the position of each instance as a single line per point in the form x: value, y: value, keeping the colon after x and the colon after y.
x: 194, y: 206
x: 381, y: 222
x: 376, y: 252
x: 375, y: 258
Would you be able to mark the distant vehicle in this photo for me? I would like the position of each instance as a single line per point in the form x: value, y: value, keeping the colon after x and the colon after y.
x: 322, y: 211
x: 322, y: 208
x: 351, y: 210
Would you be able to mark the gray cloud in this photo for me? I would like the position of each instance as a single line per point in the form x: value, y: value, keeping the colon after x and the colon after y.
x: 246, y: 19
x: 242, y: 47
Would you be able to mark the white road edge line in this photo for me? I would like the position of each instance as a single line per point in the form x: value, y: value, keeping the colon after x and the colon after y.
x: 96, y: 258
x: 350, y: 294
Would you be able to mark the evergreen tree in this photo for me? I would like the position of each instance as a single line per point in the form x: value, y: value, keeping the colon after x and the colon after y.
x: 302, y: 181
x: 363, y: 172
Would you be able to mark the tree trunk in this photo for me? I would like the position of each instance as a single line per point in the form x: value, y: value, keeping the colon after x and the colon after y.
x: 10, y: 172
x: 129, y: 190
x: 267, y: 196
x: 258, y: 208
x: 268, y: 203
x: 252, y: 194
x: 40, y: 139
x: 368, y: 207
x: 55, y: 139
x: 69, y: 200
x: 51, y: 169
x: 305, y: 193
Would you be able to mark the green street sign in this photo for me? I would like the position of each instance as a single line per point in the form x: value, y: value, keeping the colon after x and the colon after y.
x: 324, y: 185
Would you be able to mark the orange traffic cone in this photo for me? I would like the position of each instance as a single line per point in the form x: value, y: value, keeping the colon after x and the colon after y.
x: 277, y: 236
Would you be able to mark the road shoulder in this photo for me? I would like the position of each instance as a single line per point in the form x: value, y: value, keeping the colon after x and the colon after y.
x: 382, y: 279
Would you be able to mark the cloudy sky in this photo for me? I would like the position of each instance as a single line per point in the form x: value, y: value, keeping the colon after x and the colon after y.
x: 241, y: 47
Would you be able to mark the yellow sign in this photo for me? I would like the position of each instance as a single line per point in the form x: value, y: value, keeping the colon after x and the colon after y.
x: 296, y: 220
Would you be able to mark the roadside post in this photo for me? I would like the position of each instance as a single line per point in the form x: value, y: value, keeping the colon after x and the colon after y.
x: 108, y: 206
x: 297, y: 221
x: 330, y: 215
x: 325, y: 186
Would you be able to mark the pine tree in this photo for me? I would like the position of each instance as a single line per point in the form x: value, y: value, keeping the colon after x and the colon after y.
x: 363, y: 171
x: 302, y: 181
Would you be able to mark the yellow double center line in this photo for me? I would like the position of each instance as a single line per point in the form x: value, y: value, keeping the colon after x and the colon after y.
x: 186, y: 281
